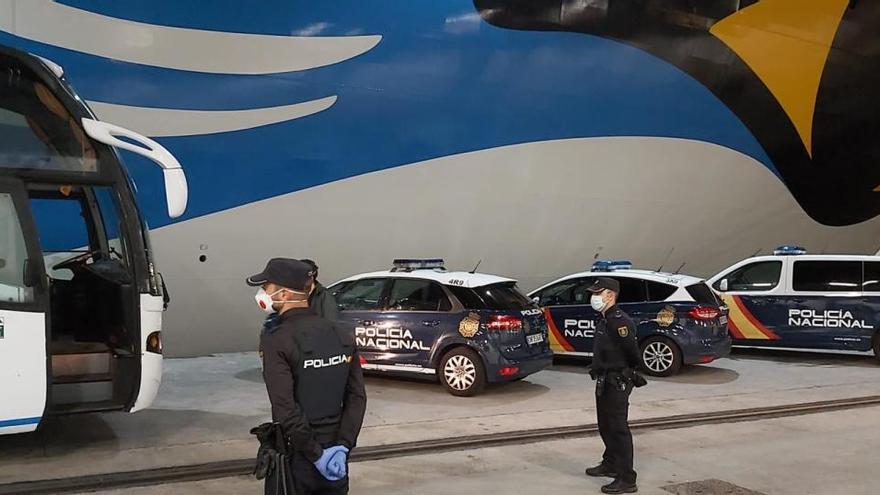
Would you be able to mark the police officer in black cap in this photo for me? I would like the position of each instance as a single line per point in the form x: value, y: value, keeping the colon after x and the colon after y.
x: 323, y: 302
x: 615, y: 357
x: 320, y: 300
x: 314, y: 379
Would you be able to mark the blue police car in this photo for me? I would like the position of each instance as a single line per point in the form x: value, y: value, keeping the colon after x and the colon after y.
x: 795, y: 300
x: 466, y: 328
x: 679, y: 318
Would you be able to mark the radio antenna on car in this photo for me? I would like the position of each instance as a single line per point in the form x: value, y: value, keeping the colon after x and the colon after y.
x: 679, y: 268
x: 477, y: 266
x: 666, y: 259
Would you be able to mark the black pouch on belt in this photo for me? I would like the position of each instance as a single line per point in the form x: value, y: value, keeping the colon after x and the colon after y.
x: 600, y: 385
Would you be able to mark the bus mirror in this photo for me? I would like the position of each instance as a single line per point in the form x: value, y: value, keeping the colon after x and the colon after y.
x: 723, y: 285
x: 176, y: 188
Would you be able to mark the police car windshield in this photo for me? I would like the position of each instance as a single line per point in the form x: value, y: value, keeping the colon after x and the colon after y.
x: 503, y: 296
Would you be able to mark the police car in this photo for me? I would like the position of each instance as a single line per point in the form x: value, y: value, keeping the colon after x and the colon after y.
x: 679, y: 319
x: 795, y: 300
x: 469, y: 329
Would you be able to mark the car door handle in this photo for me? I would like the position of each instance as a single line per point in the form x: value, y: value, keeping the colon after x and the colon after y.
x: 367, y: 323
x: 430, y: 323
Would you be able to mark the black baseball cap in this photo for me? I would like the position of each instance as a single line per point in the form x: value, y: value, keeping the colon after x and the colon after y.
x: 286, y: 272
x: 603, y: 283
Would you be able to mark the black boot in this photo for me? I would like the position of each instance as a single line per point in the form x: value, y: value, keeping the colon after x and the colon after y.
x: 601, y: 471
x: 620, y: 486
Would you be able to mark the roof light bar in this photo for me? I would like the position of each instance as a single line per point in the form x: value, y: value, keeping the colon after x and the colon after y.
x: 611, y: 265
x: 789, y: 250
x: 408, y: 265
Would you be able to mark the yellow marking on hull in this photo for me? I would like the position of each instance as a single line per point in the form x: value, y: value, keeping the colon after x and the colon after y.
x: 786, y: 43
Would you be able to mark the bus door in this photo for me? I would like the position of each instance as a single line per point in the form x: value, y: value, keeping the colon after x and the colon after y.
x: 23, y: 312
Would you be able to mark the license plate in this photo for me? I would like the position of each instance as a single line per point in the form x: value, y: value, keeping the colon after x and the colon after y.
x: 535, y: 339
x: 723, y: 320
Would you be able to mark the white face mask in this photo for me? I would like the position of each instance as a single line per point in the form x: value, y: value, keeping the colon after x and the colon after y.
x: 265, y: 301
x: 597, y: 302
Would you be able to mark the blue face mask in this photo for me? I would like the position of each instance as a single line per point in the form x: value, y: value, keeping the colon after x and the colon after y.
x: 597, y: 302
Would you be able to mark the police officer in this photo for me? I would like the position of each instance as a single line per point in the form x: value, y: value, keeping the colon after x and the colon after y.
x: 321, y: 299
x: 313, y: 377
x: 615, y: 357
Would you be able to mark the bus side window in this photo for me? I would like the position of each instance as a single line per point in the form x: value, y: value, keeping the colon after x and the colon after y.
x: 13, y: 254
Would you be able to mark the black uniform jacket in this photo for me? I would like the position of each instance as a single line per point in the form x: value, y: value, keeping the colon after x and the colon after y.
x: 323, y: 302
x: 282, y: 358
x: 616, y: 346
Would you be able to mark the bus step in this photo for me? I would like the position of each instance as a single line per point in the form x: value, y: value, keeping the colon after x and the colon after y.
x: 80, y: 364
x: 86, y: 407
x: 81, y: 392
x: 88, y: 378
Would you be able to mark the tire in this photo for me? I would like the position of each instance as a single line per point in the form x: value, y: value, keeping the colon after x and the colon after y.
x: 877, y: 345
x: 462, y: 373
x: 660, y: 357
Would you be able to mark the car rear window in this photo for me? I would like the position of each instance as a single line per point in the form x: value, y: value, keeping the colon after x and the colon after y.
x: 658, y: 291
x: 702, y: 293
x: 503, y: 296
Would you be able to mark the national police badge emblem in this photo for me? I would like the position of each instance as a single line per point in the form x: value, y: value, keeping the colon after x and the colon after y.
x: 470, y: 325
x: 623, y: 331
x: 666, y: 316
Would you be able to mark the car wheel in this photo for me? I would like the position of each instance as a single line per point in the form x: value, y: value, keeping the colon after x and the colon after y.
x: 660, y: 357
x: 877, y: 345
x: 462, y: 372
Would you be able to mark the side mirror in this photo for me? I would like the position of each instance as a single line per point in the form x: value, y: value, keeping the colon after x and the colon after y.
x: 723, y: 285
x: 176, y: 188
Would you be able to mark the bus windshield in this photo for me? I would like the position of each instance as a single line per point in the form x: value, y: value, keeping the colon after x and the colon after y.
x: 37, y: 132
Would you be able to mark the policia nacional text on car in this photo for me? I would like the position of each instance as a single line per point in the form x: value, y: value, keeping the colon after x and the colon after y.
x: 314, y: 380
x: 615, y: 357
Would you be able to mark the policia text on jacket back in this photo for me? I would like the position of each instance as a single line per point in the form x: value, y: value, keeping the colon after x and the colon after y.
x: 615, y: 357
x: 314, y: 380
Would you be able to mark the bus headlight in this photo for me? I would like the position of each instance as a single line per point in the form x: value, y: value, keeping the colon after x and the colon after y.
x: 154, y: 342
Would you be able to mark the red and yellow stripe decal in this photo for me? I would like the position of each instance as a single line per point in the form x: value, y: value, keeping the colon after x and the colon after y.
x: 742, y: 323
x: 557, y: 341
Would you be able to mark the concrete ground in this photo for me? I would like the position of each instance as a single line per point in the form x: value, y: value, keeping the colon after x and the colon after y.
x: 827, y: 453
x: 207, y: 405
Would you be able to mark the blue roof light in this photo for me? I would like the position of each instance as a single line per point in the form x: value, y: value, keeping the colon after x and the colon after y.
x: 789, y: 250
x: 406, y: 265
x: 611, y: 265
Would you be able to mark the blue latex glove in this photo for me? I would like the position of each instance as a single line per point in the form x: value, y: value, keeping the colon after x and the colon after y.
x: 322, y: 463
x: 338, y: 465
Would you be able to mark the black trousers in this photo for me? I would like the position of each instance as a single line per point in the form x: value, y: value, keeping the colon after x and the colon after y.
x: 304, y: 479
x: 612, y: 411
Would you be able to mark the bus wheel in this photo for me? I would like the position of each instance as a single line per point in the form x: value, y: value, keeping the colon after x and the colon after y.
x: 660, y: 357
x: 462, y: 372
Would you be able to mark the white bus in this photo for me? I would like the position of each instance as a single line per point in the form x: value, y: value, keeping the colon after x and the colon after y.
x: 80, y: 301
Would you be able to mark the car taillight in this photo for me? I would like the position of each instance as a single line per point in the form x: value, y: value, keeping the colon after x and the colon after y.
x: 704, y: 313
x: 504, y: 322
